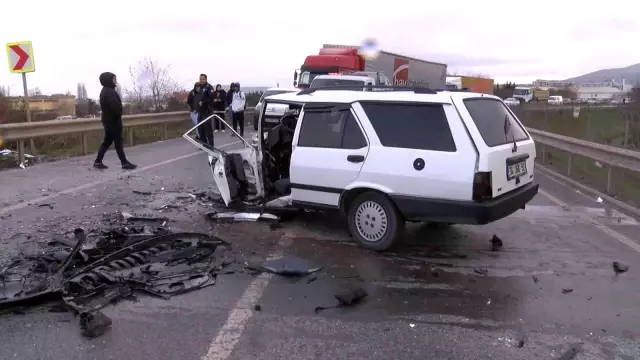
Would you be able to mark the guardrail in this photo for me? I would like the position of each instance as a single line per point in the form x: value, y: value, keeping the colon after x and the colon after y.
x: 605, y: 154
x: 612, y: 156
x: 24, y: 131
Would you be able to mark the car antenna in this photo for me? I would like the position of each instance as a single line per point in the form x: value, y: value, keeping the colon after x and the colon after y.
x: 507, y: 126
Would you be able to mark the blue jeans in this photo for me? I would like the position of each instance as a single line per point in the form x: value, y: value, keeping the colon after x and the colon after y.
x: 194, y: 117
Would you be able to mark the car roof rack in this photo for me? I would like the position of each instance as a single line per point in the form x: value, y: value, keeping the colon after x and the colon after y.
x: 417, y: 90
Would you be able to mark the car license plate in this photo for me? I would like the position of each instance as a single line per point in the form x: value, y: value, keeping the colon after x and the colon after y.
x: 516, y: 170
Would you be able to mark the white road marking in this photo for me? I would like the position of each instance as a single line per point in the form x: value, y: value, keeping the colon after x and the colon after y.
x: 106, y: 179
x: 229, y: 335
x: 607, y: 230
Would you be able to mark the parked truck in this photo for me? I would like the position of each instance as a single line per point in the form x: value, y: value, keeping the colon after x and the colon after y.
x: 528, y: 94
x: 392, y: 69
x: 471, y: 83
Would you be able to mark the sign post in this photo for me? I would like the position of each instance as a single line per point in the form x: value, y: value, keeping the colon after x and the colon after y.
x: 21, y: 61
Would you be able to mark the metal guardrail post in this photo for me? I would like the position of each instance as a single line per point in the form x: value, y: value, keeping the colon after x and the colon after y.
x: 21, y: 151
x: 569, y: 161
x: 130, y: 136
x: 609, y: 180
x: 85, y: 145
x: 164, y: 131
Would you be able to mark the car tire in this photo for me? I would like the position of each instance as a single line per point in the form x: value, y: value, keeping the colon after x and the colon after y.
x: 374, y: 222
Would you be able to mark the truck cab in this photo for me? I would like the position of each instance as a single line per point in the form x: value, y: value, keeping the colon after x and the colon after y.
x: 328, y: 61
x: 523, y: 94
x: 342, y: 80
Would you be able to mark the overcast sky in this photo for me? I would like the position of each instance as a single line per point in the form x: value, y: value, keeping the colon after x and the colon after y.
x: 262, y: 42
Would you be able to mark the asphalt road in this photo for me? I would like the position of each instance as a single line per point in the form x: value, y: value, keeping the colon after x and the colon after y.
x: 428, y: 300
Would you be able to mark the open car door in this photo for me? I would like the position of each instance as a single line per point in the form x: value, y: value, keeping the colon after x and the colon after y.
x: 236, y: 173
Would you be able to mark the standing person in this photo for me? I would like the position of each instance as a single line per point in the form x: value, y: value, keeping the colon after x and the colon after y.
x: 204, y: 106
x: 219, y: 106
x: 111, y: 106
x: 229, y: 101
x: 238, y: 105
x: 191, y: 102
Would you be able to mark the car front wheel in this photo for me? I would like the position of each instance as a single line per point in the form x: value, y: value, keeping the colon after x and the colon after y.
x: 374, y: 222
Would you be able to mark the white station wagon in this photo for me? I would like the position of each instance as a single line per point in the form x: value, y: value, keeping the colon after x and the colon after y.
x: 385, y: 157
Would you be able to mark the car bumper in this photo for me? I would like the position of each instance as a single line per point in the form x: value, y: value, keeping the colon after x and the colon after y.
x: 465, y: 212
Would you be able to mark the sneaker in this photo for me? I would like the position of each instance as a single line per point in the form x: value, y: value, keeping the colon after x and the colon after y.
x: 223, y: 130
x: 129, y: 166
x: 215, y: 130
x: 100, y: 166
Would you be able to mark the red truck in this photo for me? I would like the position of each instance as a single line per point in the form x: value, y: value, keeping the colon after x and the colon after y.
x: 387, y: 68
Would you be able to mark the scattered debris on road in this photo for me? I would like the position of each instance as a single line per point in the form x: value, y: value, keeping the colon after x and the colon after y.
x: 567, y: 291
x: 481, y: 271
x: 535, y: 279
x: 141, y: 192
x: 496, y: 243
x: 90, y: 275
x: 233, y: 216
x: 131, y: 217
x: 286, y: 266
x: 346, y: 298
x: 620, y: 268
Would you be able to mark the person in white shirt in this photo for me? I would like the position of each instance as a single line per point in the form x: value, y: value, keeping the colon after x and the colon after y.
x: 238, y: 105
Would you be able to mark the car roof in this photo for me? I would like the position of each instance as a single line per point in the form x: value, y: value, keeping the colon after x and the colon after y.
x: 350, y: 96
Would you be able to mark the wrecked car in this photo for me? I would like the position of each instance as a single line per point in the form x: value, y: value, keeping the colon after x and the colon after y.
x: 383, y: 158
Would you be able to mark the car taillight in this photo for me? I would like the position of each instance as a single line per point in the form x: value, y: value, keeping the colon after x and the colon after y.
x: 482, y: 186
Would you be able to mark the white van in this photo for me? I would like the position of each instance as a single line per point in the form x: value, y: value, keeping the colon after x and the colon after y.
x: 555, y: 100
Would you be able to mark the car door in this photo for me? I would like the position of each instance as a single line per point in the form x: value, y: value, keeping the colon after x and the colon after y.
x: 329, y: 149
x: 228, y: 176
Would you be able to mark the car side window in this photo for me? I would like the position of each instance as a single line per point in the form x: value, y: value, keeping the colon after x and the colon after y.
x: 330, y: 128
x: 353, y: 138
x: 419, y: 126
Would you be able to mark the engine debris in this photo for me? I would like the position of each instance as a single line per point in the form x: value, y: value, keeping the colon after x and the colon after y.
x: 121, y: 261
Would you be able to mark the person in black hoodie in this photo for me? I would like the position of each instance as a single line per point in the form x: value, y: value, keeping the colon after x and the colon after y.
x: 111, y: 106
x: 219, y: 106
x: 204, y: 107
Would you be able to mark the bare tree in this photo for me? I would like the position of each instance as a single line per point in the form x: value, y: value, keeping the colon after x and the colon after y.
x: 152, y: 85
x: 82, y: 92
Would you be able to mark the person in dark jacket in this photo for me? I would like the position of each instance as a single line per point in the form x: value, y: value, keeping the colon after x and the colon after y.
x: 219, y: 106
x: 111, y: 106
x: 191, y: 102
x: 204, y: 107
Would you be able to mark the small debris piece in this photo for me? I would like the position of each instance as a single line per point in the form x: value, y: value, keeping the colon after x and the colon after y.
x: 535, y: 279
x: 620, y: 268
x: 141, y: 192
x: 290, y: 266
x: 275, y: 226
x: 233, y: 216
x: 435, y: 273
x: 346, y: 298
x: 599, y: 200
x: 130, y: 217
x: 312, y: 279
x: 46, y: 205
x: 496, y: 243
x: 412, y: 325
x: 571, y: 353
x: 480, y: 271
x: 94, y: 324
x: 567, y: 290
x: 257, y: 307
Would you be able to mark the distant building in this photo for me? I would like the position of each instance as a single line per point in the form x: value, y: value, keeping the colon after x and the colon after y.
x: 604, y: 91
x: 63, y: 105
x: 553, y: 84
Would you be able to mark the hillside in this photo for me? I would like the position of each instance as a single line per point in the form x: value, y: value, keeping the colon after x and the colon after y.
x: 631, y: 74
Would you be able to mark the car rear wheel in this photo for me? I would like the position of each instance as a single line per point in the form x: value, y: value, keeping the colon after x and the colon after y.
x: 374, y: 222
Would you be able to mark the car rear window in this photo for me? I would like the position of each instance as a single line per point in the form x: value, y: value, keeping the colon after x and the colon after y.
x: 411, y: 126
x: 494, y: 122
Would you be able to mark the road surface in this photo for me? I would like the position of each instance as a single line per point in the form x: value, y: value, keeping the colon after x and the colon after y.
x: 428, y: 300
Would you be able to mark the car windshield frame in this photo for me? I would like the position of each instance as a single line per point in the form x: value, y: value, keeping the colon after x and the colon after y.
x: 338, y: 82
x: 274, y: 92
